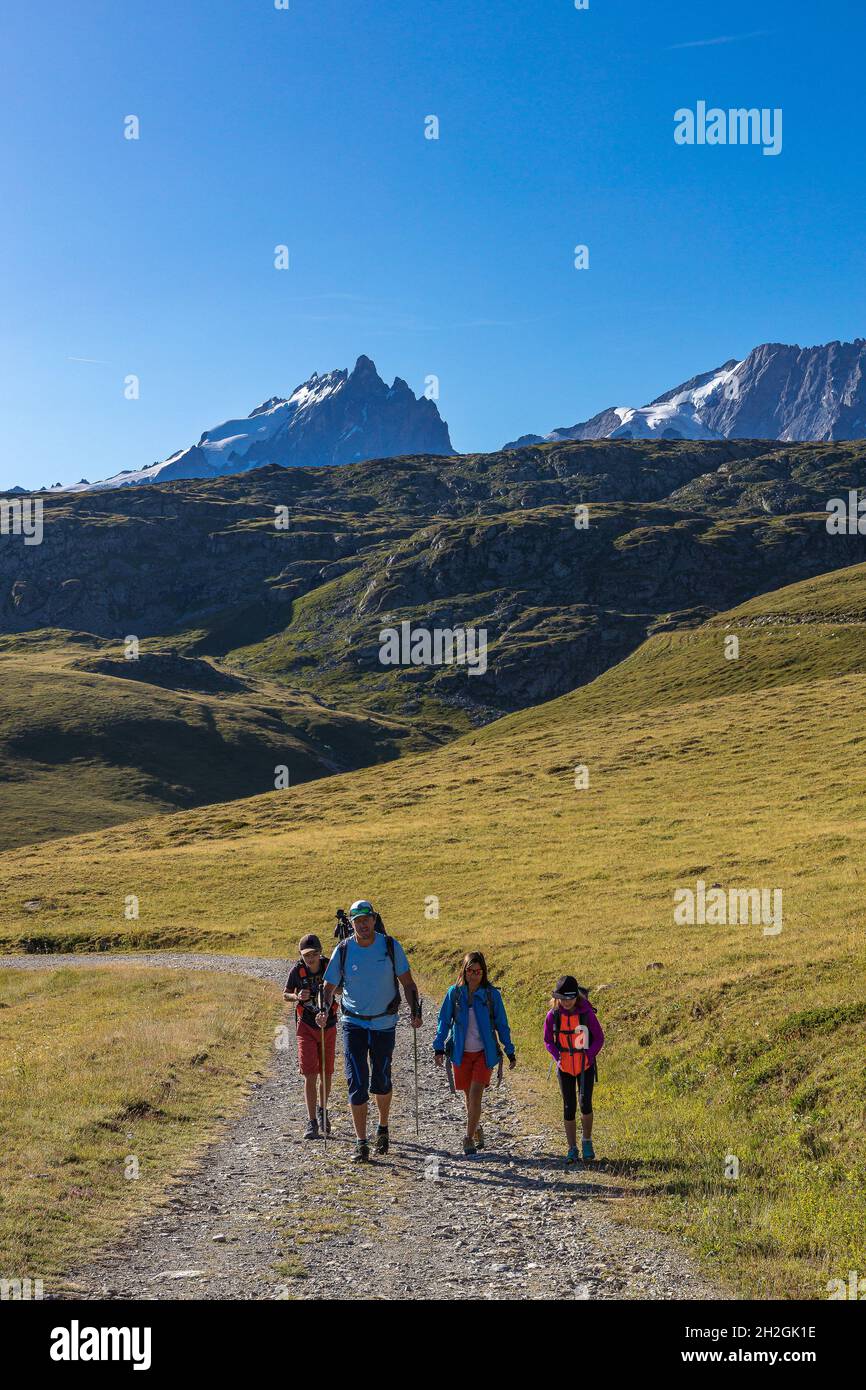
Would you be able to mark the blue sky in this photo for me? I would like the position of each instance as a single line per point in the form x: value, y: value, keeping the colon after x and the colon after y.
x: 452, y: 257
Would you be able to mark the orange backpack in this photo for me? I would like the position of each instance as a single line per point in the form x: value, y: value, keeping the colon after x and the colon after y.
x: 572, y: 1038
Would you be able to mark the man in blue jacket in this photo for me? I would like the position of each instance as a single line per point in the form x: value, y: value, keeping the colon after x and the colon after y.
x: 370, y: 968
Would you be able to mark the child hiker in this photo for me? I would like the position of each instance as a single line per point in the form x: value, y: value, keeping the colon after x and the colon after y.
x: 303, y: 989
x: 573, y: 1037
x: 471, y: 1016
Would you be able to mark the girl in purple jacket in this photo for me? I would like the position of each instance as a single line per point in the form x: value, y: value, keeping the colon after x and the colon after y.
x: 573, y: 1037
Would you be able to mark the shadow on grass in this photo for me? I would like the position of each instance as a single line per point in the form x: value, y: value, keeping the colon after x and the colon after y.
x: 514, y: 1172
x: 640, y: 1167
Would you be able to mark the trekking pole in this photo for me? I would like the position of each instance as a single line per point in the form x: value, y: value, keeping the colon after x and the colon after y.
x: 416, y: 1013
x: 324, y: 1084
x: 449, y: 1072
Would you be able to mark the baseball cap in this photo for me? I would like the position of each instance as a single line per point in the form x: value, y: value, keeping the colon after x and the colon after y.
x: 566, y: 987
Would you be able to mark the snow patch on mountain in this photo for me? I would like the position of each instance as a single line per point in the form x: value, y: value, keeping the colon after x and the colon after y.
x: 679, y: 415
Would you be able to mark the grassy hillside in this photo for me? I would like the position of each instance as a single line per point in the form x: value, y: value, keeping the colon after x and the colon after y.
x: 88, y: 739
x: 260, y: 642
x: 99, y: 1066
x: 722, y: 1040
x: 840, y: 596
x: 559, y: 605
x: 293, y: 572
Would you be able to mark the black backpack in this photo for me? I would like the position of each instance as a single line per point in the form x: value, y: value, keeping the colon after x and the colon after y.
x: 394, y: 1006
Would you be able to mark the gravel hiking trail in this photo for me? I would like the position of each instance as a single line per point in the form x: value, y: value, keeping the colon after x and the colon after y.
x: 264, y: 1214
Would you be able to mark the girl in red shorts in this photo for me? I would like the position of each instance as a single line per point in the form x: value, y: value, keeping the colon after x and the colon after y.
x: 472, y: 1023
x: 303, y: 989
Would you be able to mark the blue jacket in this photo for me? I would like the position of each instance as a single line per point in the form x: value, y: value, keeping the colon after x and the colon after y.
x: 455, y: 1009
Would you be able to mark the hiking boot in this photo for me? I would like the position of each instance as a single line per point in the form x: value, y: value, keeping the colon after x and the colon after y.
x: 588, y: 1151
x: 324, y: 1120
x: 382, y: 1139
x: 312, y: 1130
x: 572, y: 1156
x: 479, y: 1138
x: 469, y: 1146
x: 361, y: 1152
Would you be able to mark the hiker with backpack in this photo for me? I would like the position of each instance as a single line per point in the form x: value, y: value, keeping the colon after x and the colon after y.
x: 370, y: 968
x: 316, y: 1041
x: 472, y: 1022
x: 573, y: 1037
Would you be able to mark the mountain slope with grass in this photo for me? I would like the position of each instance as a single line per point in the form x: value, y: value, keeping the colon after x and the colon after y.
x: 722, y: 1040
x: 88, y: 739
x: 259, y: 601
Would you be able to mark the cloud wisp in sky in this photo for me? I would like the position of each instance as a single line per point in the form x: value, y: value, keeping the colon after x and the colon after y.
x: 723, y: 38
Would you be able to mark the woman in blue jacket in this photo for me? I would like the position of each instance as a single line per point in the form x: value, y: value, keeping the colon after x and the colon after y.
x: 472, y: 1023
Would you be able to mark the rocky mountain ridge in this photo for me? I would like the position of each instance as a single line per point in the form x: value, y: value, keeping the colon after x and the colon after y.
x: 778, y: 391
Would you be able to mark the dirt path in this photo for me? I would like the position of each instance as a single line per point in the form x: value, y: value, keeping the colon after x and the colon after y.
x: 268, y: 1215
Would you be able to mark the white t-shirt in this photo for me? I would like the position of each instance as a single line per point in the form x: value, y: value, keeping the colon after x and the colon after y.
x: 473, y: 1041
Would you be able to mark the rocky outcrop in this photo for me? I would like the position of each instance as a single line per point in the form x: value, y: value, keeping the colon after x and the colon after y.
x: 790, y: 393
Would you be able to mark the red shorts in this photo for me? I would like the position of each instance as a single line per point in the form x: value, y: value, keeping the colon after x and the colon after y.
x: 310, y: 1049
x: 472, y: 1068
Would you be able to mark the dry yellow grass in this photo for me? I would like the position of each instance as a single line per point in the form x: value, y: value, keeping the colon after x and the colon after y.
x: 102, y: 1067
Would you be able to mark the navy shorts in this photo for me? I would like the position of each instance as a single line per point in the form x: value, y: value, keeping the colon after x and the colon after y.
x: 366, y: 1051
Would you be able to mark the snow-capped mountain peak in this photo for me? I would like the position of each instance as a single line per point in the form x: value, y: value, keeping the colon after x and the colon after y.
x: 778, y: 391
x: 339, y: 417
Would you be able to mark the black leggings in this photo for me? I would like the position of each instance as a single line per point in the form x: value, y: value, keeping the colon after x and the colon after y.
x: 569, y: 1087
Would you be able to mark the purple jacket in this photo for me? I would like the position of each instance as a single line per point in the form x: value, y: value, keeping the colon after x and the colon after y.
x: 587, y: 1016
